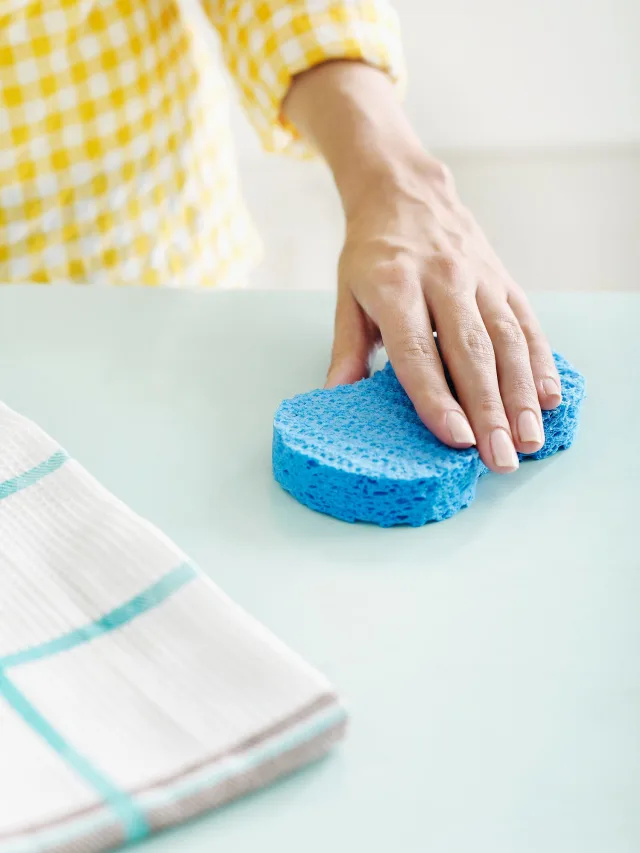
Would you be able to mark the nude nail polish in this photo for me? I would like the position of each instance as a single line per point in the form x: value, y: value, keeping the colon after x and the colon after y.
x: 529, y: 429
x: 551, y: 388
x: 459, y: 428
x: 504, y: 453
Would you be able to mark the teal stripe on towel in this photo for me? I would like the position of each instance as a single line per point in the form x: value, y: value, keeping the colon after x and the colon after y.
x: 204, y: 780
x: 244, y: 762
x: 33, y: 475
x: 133, y: 820
x: 151, y: 597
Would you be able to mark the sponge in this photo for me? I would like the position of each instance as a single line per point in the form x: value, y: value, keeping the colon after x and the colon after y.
x: 360, y: 452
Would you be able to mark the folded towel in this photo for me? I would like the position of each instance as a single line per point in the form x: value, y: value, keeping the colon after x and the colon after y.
x: 133, y: 693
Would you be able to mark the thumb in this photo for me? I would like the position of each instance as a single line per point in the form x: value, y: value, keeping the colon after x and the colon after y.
x: 353, y: 343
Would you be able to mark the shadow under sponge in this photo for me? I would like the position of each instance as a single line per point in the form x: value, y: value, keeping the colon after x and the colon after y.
x: 360, y: 452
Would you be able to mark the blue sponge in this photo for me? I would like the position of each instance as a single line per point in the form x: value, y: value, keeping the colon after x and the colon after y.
x: 360, y: 452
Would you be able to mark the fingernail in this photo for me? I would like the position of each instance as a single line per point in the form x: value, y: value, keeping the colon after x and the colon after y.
x: 461, y: 432
x: 529, y: 428
x: 504, y: 453
x: 551, y: 388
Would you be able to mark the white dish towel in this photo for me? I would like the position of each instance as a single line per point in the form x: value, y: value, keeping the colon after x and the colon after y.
x: 133, y: 693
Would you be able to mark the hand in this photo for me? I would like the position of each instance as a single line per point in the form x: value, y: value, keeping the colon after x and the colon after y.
x: 415, y: 261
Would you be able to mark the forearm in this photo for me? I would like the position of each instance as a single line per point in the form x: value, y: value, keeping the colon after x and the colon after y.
x: 350, y: 113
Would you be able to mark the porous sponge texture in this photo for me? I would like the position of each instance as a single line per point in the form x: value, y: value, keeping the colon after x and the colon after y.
x: 360, y: 452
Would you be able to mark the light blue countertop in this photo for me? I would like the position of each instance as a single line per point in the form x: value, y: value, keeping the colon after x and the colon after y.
x: 491, y: 663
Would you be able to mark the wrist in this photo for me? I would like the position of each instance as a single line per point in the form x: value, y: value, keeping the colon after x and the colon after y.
x: 389, y: 169
x: 351, y: 114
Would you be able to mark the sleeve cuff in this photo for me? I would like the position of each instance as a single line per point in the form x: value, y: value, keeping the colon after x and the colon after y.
x: 284, y: 39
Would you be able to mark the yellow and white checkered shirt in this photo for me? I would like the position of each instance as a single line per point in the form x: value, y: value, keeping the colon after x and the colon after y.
x: 116, y: 157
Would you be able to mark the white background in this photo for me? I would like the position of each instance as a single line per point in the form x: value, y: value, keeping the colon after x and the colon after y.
x: 518, y: 72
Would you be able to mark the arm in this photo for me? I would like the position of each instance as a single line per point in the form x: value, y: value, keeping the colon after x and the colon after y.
x: 267, y: 43
x: 415, y: 260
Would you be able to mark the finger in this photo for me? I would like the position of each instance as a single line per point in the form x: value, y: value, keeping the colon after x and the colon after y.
x: 468, y: 353
x: 401, y: 315
x: 354, y: 342
x: 515, y: 379
x: 543, y: 366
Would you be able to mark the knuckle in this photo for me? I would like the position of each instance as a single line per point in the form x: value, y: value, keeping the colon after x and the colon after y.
x: 417, y: 347
x: 398, y: 274
x: 440, y: 173
x: 448, y: 269
x: 393, y: 285
x: 507, y: 332
x: 489, y: 404
x: 523, y: 391
x: 476, y: 343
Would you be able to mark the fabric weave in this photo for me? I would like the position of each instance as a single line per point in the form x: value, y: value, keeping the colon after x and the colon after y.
x: 133, y: 693
x: 116, y: 157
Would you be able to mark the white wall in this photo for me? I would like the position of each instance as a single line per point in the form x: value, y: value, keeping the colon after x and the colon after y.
x: 523, y: 72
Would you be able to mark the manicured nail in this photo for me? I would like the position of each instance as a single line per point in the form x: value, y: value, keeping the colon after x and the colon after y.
x: 461, y: 432
x: 504, y: 453
x: 529, y: 428
x: 551, y: 388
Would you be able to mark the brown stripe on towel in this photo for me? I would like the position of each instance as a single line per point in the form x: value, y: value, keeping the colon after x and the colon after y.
x: 108, y: 837
x: 327, y: 700
x: 237, y: 786
x: 224, y: 792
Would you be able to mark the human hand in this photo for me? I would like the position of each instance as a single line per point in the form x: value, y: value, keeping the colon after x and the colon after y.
x: 415, y: 261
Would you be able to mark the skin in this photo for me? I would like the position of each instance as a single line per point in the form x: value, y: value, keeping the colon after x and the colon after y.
x: 415, y: 261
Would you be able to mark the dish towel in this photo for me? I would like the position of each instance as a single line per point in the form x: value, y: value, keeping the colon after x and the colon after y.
x: 133, y: 693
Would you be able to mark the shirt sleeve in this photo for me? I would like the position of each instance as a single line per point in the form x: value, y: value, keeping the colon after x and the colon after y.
x: 266, y: 42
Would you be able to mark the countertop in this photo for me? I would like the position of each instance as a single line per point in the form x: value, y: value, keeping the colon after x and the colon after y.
x: 491, y: 663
